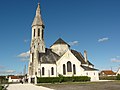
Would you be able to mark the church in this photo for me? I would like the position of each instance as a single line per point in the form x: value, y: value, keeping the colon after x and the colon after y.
x: 58, y: 59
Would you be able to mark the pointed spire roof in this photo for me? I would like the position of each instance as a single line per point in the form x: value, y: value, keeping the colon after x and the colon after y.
x: 60, y: 41
x: 38, y: 20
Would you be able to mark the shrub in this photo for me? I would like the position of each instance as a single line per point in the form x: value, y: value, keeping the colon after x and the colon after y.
x: 48, y: 79
x: 108, y: 78
x: 118, y: 77
x: 61, y: 79
x: 1, y: 87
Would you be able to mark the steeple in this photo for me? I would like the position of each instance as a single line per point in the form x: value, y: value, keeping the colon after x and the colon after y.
x: 37, y: 43
x: 38, y: 20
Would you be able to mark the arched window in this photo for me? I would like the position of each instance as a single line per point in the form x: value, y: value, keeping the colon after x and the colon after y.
x: 38, y: 32
x: 74, y: 69
x: 52, y: 71
x: 64, y: 69
x: 43, y: 71
x: 69, y: 67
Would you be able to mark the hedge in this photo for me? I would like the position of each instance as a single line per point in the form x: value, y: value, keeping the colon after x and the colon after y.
x: 107, y: 78
x: 62, y: 79
x: 118, y: 77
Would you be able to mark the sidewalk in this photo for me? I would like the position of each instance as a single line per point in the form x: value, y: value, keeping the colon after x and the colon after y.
x: 26, y: 87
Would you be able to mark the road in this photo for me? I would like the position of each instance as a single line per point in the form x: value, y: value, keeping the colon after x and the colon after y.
x: 26, y: 87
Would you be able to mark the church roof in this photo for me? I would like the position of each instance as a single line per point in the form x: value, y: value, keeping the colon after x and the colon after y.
x: 88, y: 68
x: 38, y: 20
x: 48, y: 56
x: 60, y: 41
x: 80, y: 57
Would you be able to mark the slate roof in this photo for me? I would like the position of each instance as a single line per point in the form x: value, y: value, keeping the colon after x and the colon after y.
x: 60, y: 41
x: 88, y: 68
x: 48, y: 56
x: 51, y: 57
x: 80, y: 57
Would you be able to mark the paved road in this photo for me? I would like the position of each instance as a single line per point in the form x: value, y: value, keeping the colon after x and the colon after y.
x: 26, y: 87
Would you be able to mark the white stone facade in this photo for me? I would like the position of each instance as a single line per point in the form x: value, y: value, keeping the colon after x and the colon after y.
x: 59, y: 59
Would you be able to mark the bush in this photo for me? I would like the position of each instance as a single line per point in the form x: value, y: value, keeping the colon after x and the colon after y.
x: 108, y: 78
x: 1, y: 87
x: 47, y: 79
x: 61, y: 79
x: 118, y: 77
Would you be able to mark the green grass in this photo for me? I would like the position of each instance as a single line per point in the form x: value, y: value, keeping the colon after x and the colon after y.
x: 64, y: 83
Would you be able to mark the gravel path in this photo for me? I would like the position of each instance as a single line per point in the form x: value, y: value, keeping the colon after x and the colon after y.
x: 26, y: 87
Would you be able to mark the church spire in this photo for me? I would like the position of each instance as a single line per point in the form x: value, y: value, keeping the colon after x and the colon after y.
x: 38, y: 19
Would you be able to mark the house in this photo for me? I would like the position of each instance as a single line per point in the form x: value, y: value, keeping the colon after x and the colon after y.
x: 58, y: 59
x: 118, y: 71
x: 14, y: 79
x: 107, y: 73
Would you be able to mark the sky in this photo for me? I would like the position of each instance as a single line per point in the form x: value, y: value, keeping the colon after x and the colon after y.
x: 92, y: 25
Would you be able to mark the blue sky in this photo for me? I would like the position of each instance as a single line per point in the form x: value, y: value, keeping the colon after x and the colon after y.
x: 92, y: 25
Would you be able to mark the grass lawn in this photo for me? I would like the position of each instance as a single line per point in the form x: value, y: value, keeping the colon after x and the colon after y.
x: 111, y: 85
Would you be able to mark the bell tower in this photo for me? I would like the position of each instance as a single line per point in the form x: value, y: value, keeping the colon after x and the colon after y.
x: 37, y: 43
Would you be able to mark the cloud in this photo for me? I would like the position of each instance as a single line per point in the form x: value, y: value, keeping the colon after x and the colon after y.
x: 118, y: 56
x: 116, y: 59
x: 7, y: 72
x: 1, y: 67
x: 103, y: 39
x: 24, y: 59
x: 25, y: 56
x: 26, y: 40
x: 74, y: 43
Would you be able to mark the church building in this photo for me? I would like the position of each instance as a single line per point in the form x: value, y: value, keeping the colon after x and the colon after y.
x: 58, y: 59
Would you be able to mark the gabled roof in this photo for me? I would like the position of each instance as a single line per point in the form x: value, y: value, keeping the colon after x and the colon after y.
x: 108, y: 72
x: 80, y: 57
x: 60, y: 41
x: 88, y: 68
x: 48, y: 56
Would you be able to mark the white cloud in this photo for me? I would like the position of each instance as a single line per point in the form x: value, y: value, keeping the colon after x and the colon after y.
x: 116, y: 59
x: 103, y: 39
x: 25, y: 59
x: 74, y: 43
x: 118, y: 56
x: 26, y: 40
x: 7, y: 72
x: 1, y: 67
x: 24, y: 54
